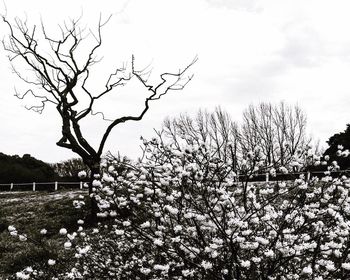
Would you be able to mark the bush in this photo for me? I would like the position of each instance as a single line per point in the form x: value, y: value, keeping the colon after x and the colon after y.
x: 180, y: 213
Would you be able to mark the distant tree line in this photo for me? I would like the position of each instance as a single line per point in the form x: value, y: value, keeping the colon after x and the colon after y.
x: 27, y: 169
x: 277, y: 132
x: 16, y: 169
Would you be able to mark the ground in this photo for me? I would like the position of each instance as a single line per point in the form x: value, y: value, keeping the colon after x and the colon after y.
x: 30, y: 212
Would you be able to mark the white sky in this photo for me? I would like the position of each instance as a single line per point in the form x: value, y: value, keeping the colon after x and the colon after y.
x: 249, y: 51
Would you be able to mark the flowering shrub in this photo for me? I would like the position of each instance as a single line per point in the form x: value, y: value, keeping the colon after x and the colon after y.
x: 181, y: 213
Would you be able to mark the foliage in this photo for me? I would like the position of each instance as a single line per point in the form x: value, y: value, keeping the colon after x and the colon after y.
x: 341, y: 139
x: 15, y: 169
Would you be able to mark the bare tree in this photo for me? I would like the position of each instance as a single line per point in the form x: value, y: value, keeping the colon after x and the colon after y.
x: 70, y: 168
x: 215, y: 129
x: 61, y: 72
x: 279, y: 131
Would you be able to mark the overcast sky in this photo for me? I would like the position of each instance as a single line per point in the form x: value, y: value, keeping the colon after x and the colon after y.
x: 249, y: 51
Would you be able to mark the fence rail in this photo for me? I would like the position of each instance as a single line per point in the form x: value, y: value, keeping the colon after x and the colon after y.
x: 267, y: 177
x: 40, y: 186
x: 308, y: 174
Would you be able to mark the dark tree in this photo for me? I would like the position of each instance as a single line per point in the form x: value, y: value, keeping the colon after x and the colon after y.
x: 337, y: 142
x: 61, y: 74
x: 15, y: 169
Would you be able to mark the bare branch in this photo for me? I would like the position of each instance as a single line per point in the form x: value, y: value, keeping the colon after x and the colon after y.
x: 36, y: 108
x: 151, y: 97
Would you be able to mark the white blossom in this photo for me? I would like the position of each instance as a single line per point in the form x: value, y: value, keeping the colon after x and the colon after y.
x: 82, y: 174
x: 51, y: 262
x: 22, y: 237
x: 67, y: 245
x: 307, y: 270
x: 206, y: 265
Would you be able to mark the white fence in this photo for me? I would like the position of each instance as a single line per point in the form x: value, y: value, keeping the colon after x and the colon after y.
x: 55, y: 185
x: 281, y: 176
x: 40, y: 186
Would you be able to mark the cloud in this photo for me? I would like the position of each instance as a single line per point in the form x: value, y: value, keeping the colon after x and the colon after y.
x: 303, y: 46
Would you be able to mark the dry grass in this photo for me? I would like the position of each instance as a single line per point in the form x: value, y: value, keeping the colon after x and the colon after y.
x: 30, y: 212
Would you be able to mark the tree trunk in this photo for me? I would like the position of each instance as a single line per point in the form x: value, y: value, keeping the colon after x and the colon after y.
x: 94, y: 170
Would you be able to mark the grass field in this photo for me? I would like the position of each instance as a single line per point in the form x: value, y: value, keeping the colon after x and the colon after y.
x: 30, y: 212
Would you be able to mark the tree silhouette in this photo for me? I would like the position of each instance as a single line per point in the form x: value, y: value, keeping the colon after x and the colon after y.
x: 15, y: 169
x: 339, y: 140
x: 61, y: 73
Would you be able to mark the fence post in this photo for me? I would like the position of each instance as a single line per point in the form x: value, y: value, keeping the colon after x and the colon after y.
x: 267, y: 177
x: 11, y: 186
x: 56, y: 186
x: 33, y: 186
x: 81, y: 185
